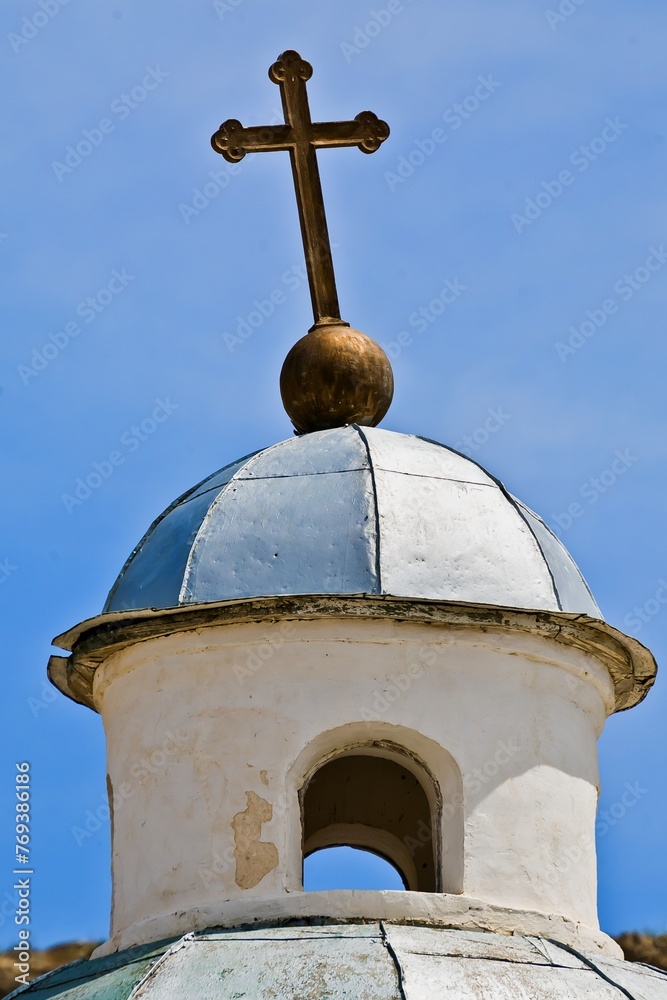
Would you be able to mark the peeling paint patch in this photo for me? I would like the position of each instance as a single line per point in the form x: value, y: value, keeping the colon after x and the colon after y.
x: 264, y: 777
x: 254, y: 858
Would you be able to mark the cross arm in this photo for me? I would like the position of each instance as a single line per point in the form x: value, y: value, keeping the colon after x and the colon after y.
x: 233, y: 141
x: 367, y: 131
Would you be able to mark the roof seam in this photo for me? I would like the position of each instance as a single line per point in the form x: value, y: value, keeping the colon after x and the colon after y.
x: 298, y: 475
x: 443, y: 479
x: 378, y: 563
x: 454, y: 451
x: 203, y: 937
x: 493, y: 958
x: 137, y: 989
x: 582, y: 578
x: 398, y: 968
x: 188, y: 562
x: 596, y: 968
x: 517, y: 507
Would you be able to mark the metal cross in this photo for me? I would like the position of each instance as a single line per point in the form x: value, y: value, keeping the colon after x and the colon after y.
x: 302, y: 137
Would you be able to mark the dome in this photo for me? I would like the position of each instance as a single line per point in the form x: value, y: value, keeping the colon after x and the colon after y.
x: 351, y: 511
x: 369, y: 961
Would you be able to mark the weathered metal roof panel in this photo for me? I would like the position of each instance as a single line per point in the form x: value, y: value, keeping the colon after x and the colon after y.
x: 438, y: 941
x: 311, y: 966
x: 463, y: 965
x: 455, y: 541
x: 416, y: 456
x: 153, y: 575
x: 426, y: 977
x: 263, y: 538
x: 338, y: 450
x: 219, y: 479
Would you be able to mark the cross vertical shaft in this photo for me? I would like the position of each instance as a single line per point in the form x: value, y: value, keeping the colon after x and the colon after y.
x: 302, y: 137
x: 309, y: 197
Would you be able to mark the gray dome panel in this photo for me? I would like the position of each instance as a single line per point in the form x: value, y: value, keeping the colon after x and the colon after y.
x: 263, y: 531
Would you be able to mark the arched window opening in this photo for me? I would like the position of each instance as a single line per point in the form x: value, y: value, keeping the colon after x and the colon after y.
x: 349, y: 868
x: 364, y: 799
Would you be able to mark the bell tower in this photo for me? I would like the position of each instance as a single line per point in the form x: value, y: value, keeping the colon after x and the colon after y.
x: 353, y: 637
x: 358, y: 637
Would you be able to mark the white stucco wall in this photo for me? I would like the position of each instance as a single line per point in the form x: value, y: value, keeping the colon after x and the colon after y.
x: 212, y: 734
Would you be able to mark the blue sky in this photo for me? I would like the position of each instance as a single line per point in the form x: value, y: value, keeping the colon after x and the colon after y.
x: 526, y: 167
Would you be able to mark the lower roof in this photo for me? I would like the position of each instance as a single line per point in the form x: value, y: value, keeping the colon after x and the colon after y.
x: 374, y: 960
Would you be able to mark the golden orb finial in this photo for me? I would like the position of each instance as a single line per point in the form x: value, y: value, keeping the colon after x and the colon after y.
x: 335, y: 376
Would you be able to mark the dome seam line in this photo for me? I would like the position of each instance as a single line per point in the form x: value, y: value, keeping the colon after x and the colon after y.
x: 581, y: 576
x: 182, y: 593
x: 156, y: 967
x: 595, y: 968
x: 371, y: 467
x: 440, y: 479
x: 298, y: 475
x: 395, y: 959
x: 523, y: 517
x: 508, y: 496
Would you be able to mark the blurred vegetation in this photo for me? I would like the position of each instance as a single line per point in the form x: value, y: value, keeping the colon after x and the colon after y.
x: 648, y: 948
x: 41, y: 962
